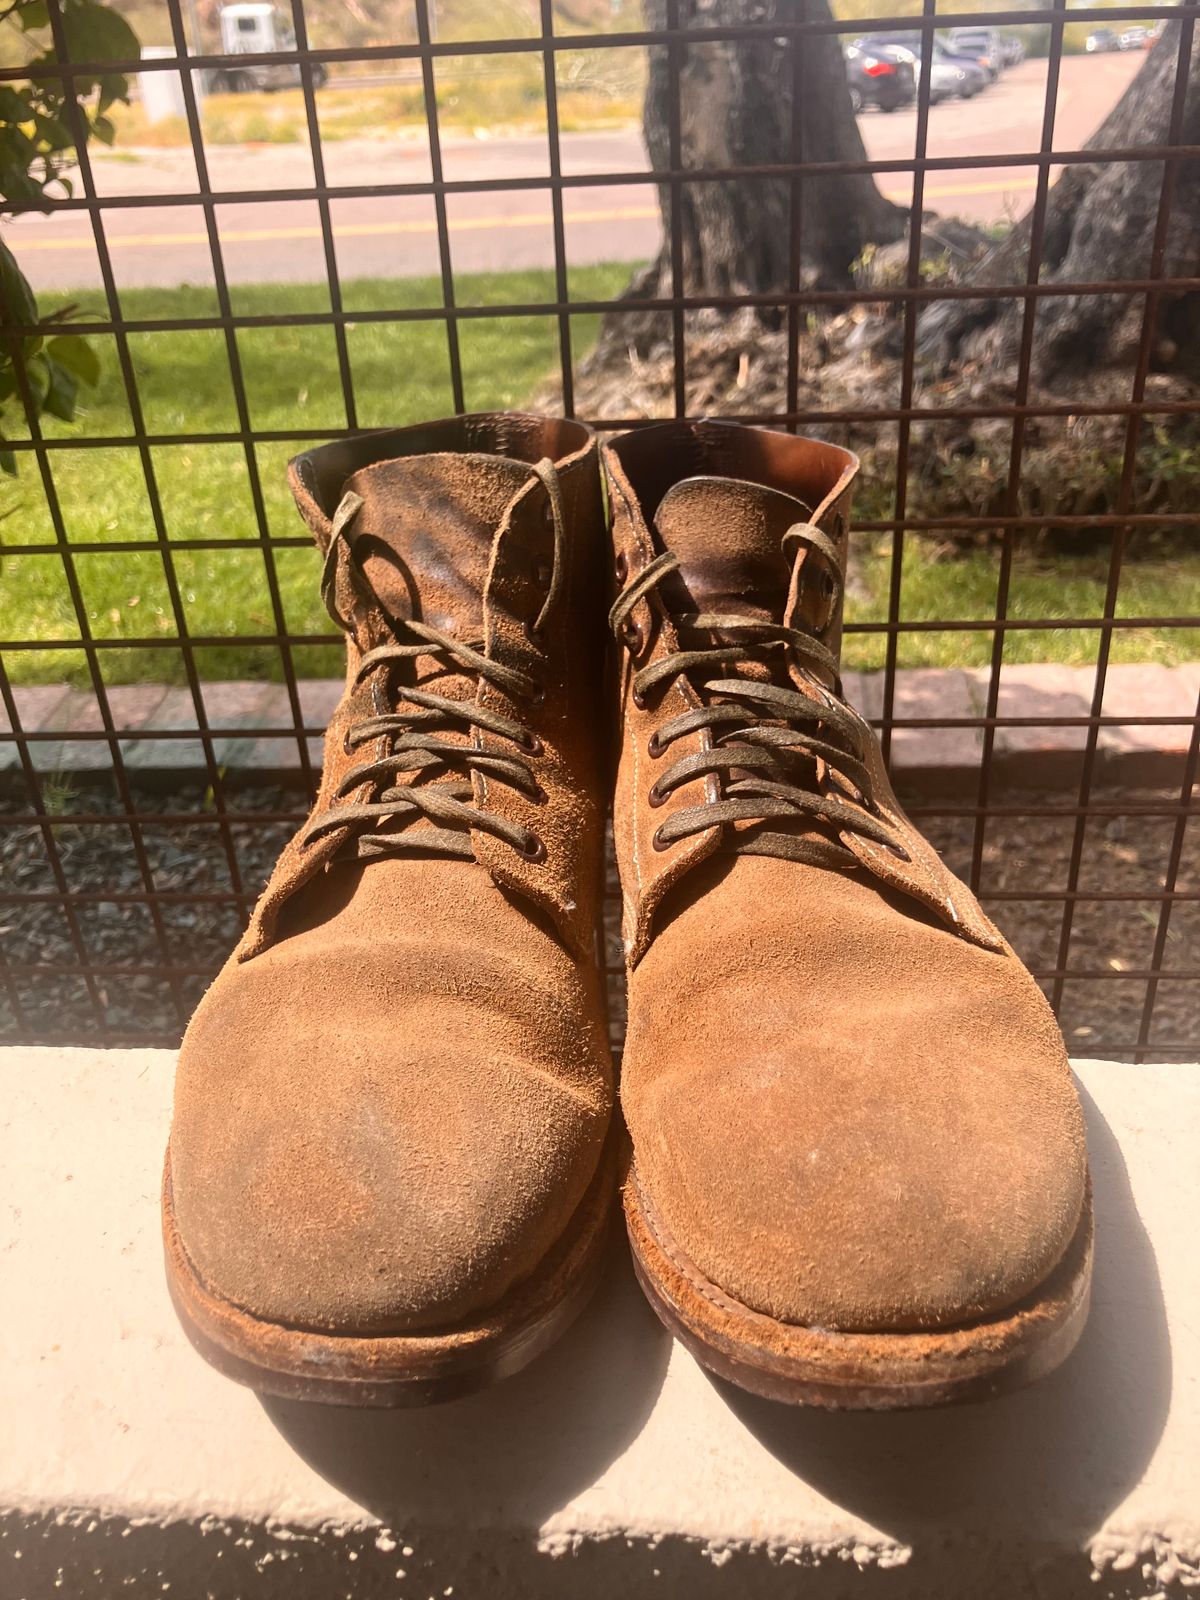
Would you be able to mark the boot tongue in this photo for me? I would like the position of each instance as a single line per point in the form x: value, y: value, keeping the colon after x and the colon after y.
x: 425, y: 530
x: 423, y: 538
x: 728, y: 535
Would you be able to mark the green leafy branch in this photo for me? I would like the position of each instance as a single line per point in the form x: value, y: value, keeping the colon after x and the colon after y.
x: 41, y: 122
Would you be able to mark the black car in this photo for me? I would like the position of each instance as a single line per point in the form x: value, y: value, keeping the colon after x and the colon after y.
x: 950, y: 76
x: 1102, y: 40
x: 880, y: 77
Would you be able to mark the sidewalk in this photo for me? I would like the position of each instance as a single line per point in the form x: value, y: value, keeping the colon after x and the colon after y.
x: 1042, y: 744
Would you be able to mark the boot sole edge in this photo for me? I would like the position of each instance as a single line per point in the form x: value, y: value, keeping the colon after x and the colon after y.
x: 397, y: 1369
x: 886, y: 1371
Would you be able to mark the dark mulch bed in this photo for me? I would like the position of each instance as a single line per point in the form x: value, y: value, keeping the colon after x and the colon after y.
x: 1125, y: 852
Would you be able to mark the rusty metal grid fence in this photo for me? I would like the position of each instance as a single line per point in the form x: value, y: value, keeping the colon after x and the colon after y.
x: 139, y: 818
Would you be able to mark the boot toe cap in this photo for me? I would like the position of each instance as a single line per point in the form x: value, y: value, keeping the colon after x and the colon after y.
x: 907, y: 1205
x: 850, y: 1116
x: 373, y: 1186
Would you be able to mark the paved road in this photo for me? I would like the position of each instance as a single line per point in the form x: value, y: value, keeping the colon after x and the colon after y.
x: 280, y: 241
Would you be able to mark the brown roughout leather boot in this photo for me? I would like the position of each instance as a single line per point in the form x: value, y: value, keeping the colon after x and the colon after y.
x: 859, y: 1176
x: 390, y: 1168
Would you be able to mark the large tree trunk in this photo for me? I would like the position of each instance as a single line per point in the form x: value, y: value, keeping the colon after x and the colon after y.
x: 736, y: 110
x: 1100, y: 226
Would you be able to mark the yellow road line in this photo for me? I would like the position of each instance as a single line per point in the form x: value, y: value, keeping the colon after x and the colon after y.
x: 516, y: 219
x: 352, y: 230
x: 949, y: 191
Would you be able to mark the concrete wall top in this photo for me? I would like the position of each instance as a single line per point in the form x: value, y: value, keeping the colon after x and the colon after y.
x: 612, y: 1465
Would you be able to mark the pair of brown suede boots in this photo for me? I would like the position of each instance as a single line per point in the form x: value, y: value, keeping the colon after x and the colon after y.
x: 858, y: 1173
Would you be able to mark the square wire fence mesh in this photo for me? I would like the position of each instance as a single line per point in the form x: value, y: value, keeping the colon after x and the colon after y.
x: 121, y: 897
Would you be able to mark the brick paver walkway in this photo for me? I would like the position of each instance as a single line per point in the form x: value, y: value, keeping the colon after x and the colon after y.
x: 253, y: 723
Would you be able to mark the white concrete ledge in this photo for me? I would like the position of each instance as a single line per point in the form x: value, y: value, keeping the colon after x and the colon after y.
x: 613, y: 1466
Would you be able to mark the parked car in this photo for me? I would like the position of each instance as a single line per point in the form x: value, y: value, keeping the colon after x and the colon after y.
x: 1013, y: 47
x: 962, y: 76
x: 946, y: 81
x: 1103, y: 39
x: 982, y: 45
x: 1136, y: 39
x: 950, y: 76
x: 882, y: 77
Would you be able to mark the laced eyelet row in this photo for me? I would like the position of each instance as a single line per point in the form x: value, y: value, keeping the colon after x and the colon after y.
x: 415, y: 736
x: 761, y: 794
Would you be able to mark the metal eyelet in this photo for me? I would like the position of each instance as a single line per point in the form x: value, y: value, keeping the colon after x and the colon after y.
x: 655, y: 796
x: 654, y: 746
x: 658, y: 841
x: 534, y: 850
x: 638, y: 698
x: 621, y: 567
x: 532, y: 745
x: 898, y: 851
x: 631, y: 636
x: 846, y: 790
x: 346, y: 750
x: 537, y: 694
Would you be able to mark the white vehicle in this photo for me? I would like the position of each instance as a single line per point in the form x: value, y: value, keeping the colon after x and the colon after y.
x: 257, y: 28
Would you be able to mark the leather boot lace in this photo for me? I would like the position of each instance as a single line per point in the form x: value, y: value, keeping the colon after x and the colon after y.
x: 438, y: 770
x: 785, y: 761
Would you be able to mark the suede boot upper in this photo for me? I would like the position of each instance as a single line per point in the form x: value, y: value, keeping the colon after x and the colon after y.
x: 849, y: 1103
x: 395, y: 1094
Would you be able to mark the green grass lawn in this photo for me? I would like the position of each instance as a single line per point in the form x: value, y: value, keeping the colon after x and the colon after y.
x: 401, y: 375
x: 962, y: 587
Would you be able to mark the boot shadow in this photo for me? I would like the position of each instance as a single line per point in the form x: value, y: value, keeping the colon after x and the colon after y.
x: 511, y: 1455
x: 1037, y: 1470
